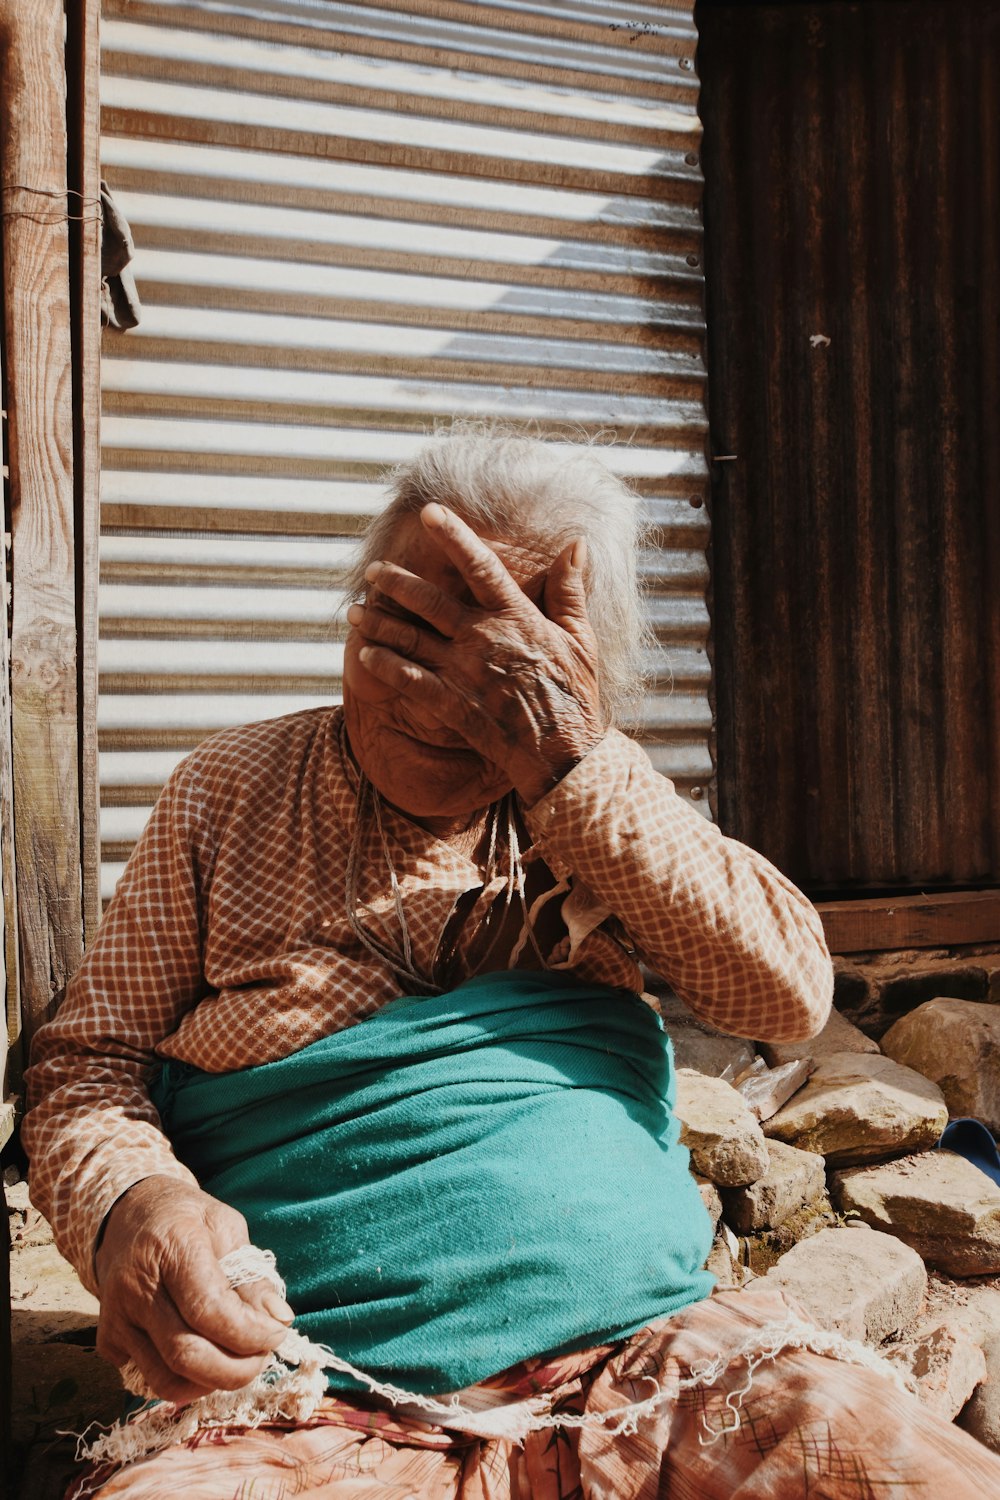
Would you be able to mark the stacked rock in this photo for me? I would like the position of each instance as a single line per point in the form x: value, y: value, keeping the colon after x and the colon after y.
x: 837, y: 1196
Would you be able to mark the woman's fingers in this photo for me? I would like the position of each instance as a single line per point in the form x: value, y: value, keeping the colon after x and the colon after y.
x: 481, y: 570
x: 564, y: 598
x: 175, y: 1363
x: 209, y: 1308
x: 263, y: 1295
x: 460, y: 711
x: 136, y: 1348
x: 489, y: 581
x: 198, y: 1360
x: 399, y: 635
x: 165, y: 1301
x: 180, y: 1369
x: 396, y: 671
x: 417, y: 596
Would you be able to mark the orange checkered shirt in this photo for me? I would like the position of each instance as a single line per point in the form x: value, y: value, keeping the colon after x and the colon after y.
x: 227, y: 943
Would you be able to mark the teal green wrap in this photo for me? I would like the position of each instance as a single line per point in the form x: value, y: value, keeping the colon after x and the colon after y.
x: 462, y: 1181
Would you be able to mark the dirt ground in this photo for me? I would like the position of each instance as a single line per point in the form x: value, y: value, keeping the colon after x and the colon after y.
x: 60, y: 1385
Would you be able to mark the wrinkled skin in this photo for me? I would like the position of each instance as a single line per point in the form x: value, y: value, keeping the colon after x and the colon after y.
x: 470, y: 670
x: 164, y: 1301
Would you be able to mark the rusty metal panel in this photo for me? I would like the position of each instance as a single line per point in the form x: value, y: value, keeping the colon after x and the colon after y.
x: 352, y: 221
x: 852, y: 222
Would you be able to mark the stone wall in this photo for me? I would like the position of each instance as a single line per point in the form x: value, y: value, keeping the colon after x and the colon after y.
x: 874, y: 989
x: 838, y: 1192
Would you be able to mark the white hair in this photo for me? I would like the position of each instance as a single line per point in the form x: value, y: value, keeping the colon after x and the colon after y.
x: 513, y: 488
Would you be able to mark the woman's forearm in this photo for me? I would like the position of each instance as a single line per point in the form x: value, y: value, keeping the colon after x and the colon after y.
x: 731, y: 934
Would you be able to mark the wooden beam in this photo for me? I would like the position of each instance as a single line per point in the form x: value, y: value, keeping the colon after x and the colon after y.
x: 40, y: 435
x: 10, y: 1055
x: 10, y: 1074
x: 6, y: 1443
x: 945, y: 921
x: 83, y: 124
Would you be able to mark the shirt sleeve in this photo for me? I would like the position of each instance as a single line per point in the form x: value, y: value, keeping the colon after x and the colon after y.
x: 734, y: 938
x: 91, y: 1130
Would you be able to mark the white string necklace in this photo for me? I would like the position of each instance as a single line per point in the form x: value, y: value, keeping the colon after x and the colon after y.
x: 398, y: 953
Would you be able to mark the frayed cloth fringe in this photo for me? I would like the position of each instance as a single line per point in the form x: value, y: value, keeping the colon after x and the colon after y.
x: 292, y: 1384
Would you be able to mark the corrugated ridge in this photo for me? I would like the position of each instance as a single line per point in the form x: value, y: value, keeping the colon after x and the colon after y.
x: 346, y: 233
x: 855, y: 374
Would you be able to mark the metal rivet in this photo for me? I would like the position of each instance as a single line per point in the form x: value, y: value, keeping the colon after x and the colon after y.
x: 692, y: 158
x: 695, y: 501
x: 693, y: 260
x: 697, y: 793
x: 686, y: 64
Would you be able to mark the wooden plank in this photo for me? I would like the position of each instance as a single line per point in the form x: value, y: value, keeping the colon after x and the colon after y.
x: 11, y: 976
x: 83, y: 119
x: 6, y: 1444
x: 40, y: 411
x: 942, y: 921
x: 10, y: 1058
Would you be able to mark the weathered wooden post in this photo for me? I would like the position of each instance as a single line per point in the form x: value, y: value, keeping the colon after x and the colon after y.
x: 46, y: 802
x: 50, y: 264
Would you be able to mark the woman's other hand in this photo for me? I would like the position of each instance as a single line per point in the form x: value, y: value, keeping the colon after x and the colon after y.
x: 165, y: 1302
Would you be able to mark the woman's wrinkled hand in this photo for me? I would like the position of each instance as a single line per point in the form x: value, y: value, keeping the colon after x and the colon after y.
x: 165, y: 1302
x: 517, y: 681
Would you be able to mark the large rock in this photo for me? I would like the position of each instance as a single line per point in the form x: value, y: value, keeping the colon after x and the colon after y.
x: 838, y: 1035
x: 762, y: 1249
x: 726, y: 1143
x: 861, y: 1107
x: 943, y: 1366
x: 857, y: 1282
x: 981, y: 1416
x: 724, y: 1261
x: 969, y: 1306
x: 937, y: 1202
x: 792, y: 1180
x: 764, y: 1090
x: 699, y: 1046
x: 957, y: 1044
x: 711, y: 1199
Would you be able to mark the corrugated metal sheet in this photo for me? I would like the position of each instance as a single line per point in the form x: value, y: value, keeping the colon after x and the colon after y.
x: 853, y: 231
x: 351, y: 221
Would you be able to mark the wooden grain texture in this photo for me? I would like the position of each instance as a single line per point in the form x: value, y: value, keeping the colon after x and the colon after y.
x: 40, y: 428
x: 851, y: 232
x: 8, y: 977
x: 946, y: 920
x: 9, y: 965
x: 5, y: 1372
x: 83, y: 123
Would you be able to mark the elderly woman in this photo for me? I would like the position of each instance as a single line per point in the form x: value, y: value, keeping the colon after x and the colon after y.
x: 369, y: 995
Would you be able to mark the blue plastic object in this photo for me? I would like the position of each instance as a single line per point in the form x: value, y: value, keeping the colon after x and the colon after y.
x: 973, y: 1140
